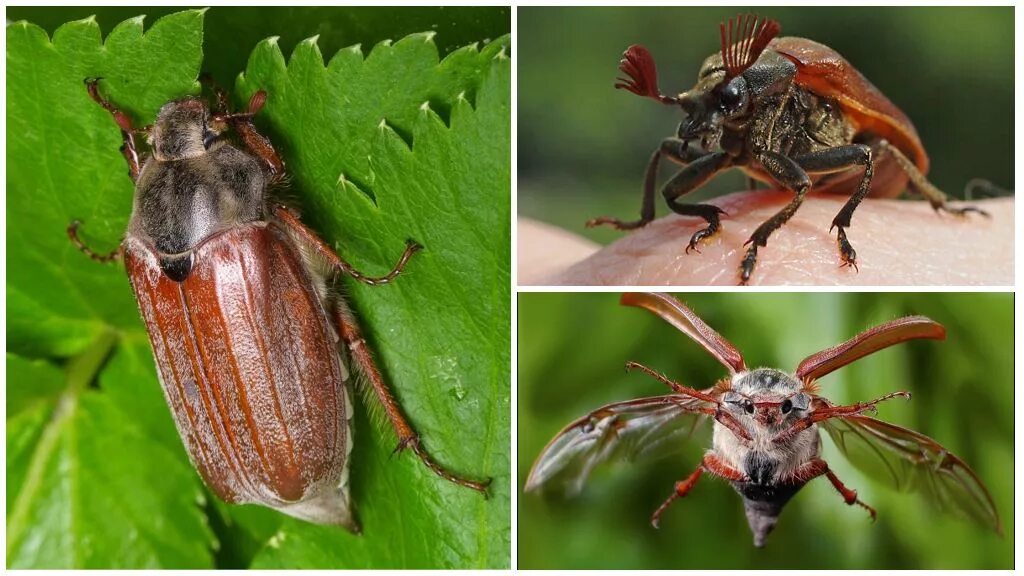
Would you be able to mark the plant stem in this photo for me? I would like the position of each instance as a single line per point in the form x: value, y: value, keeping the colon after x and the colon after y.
x: 80, y: 371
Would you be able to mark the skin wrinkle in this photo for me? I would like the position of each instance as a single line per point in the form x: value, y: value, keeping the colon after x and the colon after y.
x: 898, y: 242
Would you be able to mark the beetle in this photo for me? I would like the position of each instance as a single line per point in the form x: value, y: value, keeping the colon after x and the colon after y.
x: 789, y: 112
x: 766, y: 436
x: 255, y: 352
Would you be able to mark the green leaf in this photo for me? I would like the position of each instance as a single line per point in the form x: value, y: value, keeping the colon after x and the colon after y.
x: 70, y: 504
x: 87, y: 485
x: 440, y: 332
x: 239, y: 28
x: 384, y: 148
x: 63, y: 163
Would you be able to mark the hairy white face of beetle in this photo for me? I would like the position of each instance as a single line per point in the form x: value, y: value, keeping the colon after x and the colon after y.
x: 766, y: 402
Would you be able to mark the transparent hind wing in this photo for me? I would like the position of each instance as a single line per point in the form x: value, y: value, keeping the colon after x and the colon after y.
x: 910, y: 461
x: 624, y: 431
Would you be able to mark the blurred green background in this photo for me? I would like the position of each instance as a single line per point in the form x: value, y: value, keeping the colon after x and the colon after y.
x: 572, y: 349
x: 583, y: 145
x: 226, y: 53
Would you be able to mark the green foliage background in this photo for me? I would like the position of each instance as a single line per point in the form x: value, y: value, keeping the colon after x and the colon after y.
x: 383, y: 143
x: 583, y: 145
x: 572, y: 349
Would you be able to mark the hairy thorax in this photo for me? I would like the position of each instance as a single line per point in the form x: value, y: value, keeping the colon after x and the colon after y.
x: 761, y: 458
x: 179, y: 203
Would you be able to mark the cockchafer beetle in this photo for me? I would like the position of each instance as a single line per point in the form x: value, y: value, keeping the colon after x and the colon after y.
x: 767, y: 429
x: 252, y: 348
x: 787, y: 111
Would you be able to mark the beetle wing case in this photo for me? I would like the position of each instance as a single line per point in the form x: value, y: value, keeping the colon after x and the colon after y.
x: 825, y: 72
x: 252, y: 371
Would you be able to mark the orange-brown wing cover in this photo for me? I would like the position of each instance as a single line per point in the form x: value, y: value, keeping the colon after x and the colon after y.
x: 249, y: 365
x: 825, y: 72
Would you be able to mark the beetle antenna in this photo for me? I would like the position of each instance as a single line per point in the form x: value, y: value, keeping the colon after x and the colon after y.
x: 641, y: 75
x: 744, y: 41
x: 675, y: 386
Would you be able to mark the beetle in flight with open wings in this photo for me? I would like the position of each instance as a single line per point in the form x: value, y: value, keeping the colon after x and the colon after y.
x: 765, y: 438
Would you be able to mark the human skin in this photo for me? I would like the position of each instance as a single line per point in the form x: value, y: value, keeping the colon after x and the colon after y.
x: 898, y: 242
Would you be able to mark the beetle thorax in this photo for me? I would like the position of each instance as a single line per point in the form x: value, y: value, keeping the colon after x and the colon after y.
x: 765, y: 402
x: 181, y: 203
x: 797, y: 122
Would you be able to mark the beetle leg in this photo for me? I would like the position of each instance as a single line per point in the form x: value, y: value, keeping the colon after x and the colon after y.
x: 920, y: 184
x: 693, y: 176
x: 672, y: 148
x: 646, y: 205
x: 818, y: 467
x: 244, y: 126
x: 787, y: 172
x: 681, y: 490
x: 349, y: 332
x: 101, y: 258
x: 128, y: 150
x: 723, y: 418
x: 310, y: 239
x: 675, y: 386
x: 839, y: 159
x: 711, y: 464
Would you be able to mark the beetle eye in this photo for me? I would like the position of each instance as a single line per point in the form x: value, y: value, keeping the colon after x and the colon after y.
x: 748, y: 406
x: 787, y: 405
x: 733, y: 96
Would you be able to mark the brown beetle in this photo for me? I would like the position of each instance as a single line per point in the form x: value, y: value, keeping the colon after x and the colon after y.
x: 789, y: 112
x: 252, y: 348
x: 766, y: 438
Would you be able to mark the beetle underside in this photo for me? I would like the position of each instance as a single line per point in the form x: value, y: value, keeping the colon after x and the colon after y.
x: 790, y: 112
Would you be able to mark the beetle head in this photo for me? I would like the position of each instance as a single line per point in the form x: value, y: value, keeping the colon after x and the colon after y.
x: 766, y: 397
x: 182, y: 130
x: 710, y: 106
x: 728, y: 83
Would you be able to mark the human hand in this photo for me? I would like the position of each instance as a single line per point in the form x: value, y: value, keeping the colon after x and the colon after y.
x: 898, y: 242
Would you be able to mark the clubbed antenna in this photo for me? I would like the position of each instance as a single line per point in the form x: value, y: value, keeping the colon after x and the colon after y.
x: 641, y: 74
x: 744, y: 41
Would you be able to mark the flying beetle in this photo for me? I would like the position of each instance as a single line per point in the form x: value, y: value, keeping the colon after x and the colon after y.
x: 789, y: 112
x: 255, y: 352
x: 766, y: 434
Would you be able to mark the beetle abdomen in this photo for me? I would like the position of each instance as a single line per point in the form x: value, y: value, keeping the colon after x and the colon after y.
x: 763, y: 504
x: 250, y: 367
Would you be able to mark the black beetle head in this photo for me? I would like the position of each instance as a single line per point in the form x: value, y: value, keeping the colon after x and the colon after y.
x: 723, y: 94
x: 725, y: 91
x: 181, y: 130
x: 709, y: 106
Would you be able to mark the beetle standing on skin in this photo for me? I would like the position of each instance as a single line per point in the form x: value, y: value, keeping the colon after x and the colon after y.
x: 789, y: 112
x: 766, y: 440
x: 234, y: 291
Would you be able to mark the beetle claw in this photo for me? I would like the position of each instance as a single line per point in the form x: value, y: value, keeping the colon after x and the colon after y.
x: 405, y: 443
x: 702, y: 236
x: 747, y: 266
x: 962, y: 212
x: 846, y: 251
